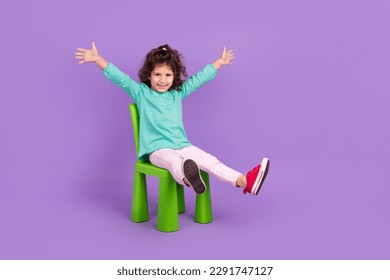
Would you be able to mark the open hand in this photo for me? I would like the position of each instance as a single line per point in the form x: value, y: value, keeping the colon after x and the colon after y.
x: 226, y: 56
x: 87, y: 55
x: 225, y: 59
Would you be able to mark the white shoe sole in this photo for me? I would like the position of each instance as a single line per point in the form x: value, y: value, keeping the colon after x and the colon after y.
x: 261, y: 176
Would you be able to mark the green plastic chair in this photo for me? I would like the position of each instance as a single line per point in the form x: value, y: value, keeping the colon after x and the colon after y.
x: 171, y: 194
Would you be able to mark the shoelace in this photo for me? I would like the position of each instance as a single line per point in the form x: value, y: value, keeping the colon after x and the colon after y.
x: 254, y: 169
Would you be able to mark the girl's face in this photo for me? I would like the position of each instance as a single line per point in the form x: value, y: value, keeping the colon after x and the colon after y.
x: 161, y: 78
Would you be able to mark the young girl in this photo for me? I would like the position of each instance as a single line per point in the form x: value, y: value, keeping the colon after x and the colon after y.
x: 163, y: 140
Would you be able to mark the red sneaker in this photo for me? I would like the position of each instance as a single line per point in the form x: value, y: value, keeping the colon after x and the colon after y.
x: 255, y: 177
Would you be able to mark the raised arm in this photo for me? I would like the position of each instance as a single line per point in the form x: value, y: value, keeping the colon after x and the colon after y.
x: 225, y: 59
x: 91, y: 55
x: 206, y: 74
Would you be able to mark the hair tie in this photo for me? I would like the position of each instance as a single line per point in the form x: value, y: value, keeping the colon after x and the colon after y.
x: 164, y: 49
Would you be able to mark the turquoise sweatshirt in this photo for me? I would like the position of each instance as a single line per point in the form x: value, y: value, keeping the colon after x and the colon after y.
x: 161, y: 123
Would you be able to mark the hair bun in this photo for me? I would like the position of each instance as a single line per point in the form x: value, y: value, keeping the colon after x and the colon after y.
x: 164, y: 47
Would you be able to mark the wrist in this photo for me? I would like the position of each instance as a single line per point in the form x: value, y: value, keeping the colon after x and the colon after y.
x: 218, y: 63
x: 101, y: 62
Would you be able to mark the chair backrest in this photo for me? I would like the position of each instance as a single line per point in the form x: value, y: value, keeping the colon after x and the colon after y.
x: 135, y: 121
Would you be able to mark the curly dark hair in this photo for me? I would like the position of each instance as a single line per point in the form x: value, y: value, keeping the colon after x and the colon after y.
x: 164, y: 55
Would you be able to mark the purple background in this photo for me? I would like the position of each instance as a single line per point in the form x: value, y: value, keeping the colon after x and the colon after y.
x: 309, y: 88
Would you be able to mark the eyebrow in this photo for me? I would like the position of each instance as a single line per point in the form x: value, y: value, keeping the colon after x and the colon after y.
x: 155, y: 73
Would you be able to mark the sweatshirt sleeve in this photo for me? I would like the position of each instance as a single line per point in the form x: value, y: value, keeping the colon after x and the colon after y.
x: 199, y: 79
x: 123, y: 80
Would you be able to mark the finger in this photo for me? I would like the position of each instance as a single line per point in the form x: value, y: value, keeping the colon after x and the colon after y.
x: 79, y: 57
x: 82, y: 62
x: 81, y: 50
x: 79, y: 53
x: 93, y: 45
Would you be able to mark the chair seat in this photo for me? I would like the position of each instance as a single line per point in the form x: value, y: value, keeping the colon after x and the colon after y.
x: 152, y: 170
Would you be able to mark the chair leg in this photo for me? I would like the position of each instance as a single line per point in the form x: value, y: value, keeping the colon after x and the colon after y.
x: 139, y: 211
x: 167, y: 213
x: 181, y: 206
x: 203, y: 211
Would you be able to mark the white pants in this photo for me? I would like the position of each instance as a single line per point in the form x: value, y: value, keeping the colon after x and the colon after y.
x: 171, y: 160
